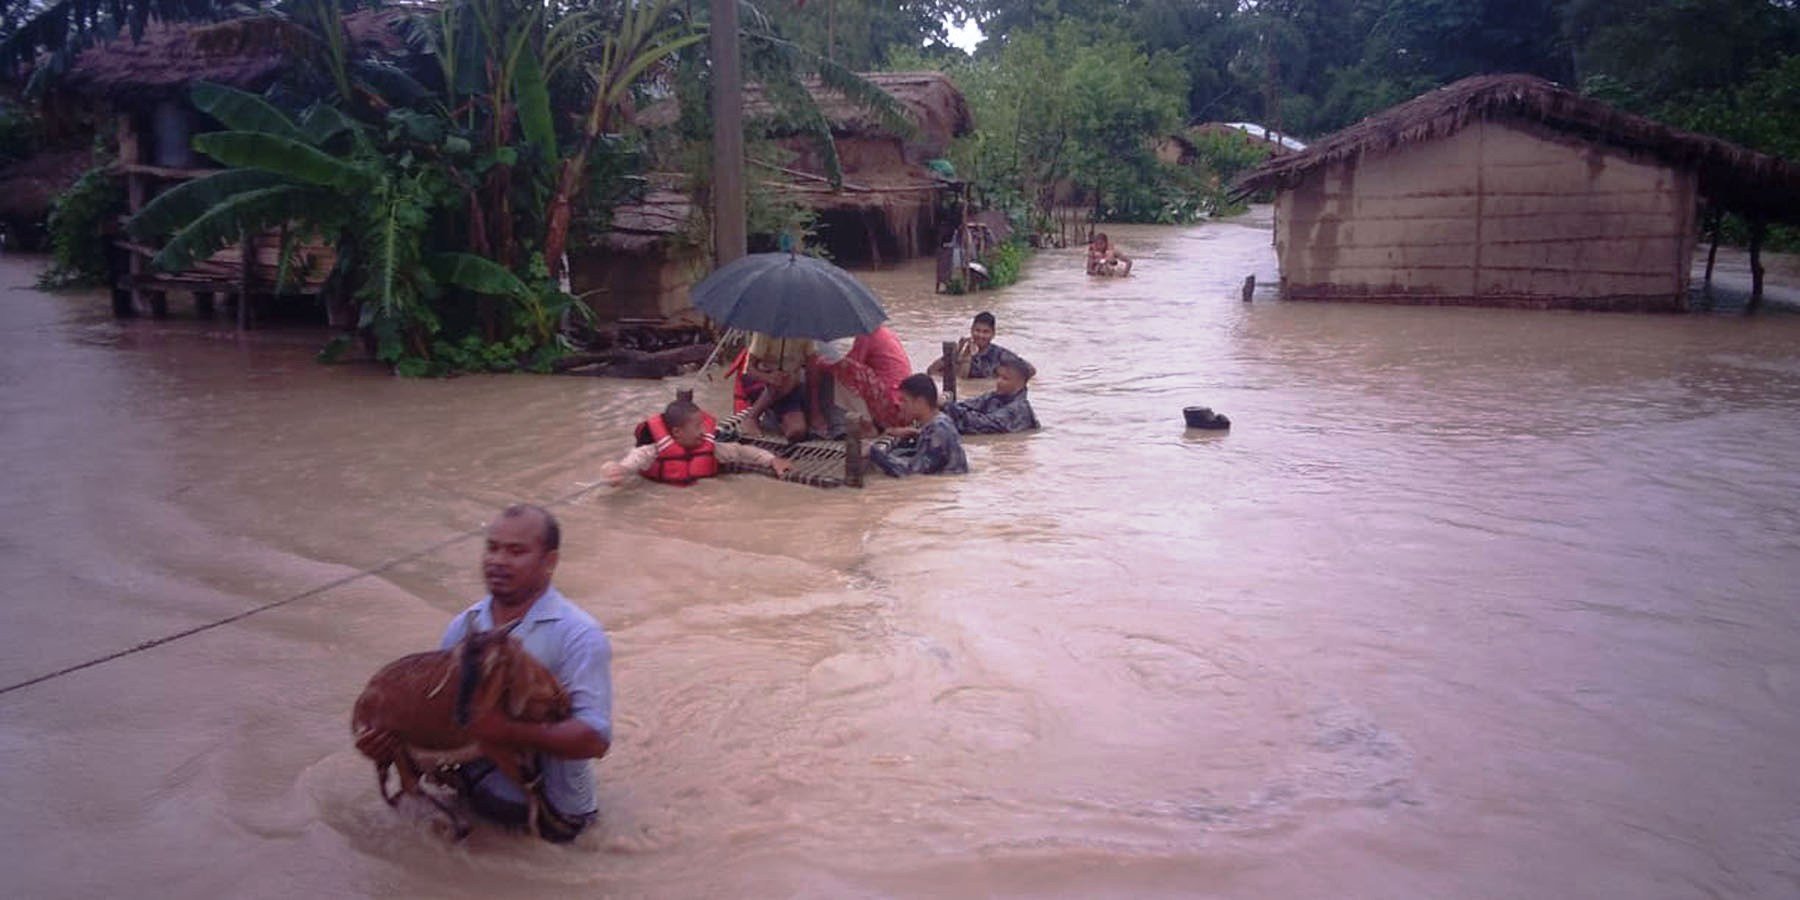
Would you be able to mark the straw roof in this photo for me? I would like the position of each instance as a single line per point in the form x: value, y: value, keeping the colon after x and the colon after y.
x: 642, y: 224
x: 1742, y: 180
x: 28, y: 186
x: 931, y: 99
x: 248, y: 53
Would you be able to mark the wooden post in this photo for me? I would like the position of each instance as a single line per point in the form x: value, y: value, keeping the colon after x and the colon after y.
x: 949, y: 372
x: 203, y: 305
x: 1249, y: 287
x: 853, y: 457
x: 729, y: 241
x: 1758, y: 230
x: 135, y: 195
x: 684, y: 395
x: 243, y: 310
x: 1712, y: 255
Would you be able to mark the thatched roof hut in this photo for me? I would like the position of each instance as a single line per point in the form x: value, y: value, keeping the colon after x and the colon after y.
x: 249, y: 53
x: 938, y: 110
x: 887, y: 206
x: 1743, y: 180
x: 1508, y: 190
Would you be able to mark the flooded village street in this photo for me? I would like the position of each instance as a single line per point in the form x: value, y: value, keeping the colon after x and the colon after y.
x: 1468, y: 603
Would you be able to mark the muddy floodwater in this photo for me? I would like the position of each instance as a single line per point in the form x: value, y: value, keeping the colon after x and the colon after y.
x: 1469, y: 603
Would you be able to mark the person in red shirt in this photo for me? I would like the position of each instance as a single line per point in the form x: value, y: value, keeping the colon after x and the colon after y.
x: 873, y: 370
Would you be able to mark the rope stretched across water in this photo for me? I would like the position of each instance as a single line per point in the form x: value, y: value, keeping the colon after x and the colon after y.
x: 309, y: 593
x: 816, y: 463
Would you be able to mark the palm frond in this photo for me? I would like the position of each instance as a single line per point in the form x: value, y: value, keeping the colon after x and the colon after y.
x: 478, y: 274
x: 243, y: 111
x: 182, y: 204
x: 251, y: 212
x: 270, y: 153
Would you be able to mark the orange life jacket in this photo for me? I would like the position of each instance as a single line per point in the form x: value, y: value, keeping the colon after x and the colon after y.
x: 676, y: 464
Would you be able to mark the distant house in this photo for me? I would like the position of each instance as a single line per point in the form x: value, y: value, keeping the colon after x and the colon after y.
x: 888, y: 206
x: 1508, y: 190
x: 641, y: 267
x: 144, y: 86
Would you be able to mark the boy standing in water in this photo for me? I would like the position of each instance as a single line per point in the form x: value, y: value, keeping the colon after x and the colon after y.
x: 977, y: 354
x: 931, y: 446
x: 1003, y: 410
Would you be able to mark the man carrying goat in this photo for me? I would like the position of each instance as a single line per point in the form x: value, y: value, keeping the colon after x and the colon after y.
x: 520, y: 557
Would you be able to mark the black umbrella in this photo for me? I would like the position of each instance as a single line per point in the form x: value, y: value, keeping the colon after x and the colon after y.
x: 786, y: 295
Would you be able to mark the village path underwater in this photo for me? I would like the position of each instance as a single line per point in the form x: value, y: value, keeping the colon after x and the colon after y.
x: 1467, y: 603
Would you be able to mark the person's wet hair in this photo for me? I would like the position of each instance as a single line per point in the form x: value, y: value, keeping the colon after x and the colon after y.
x: 552, y: 529
x: 679, y: 413
x: 985, y: 318
x: 1026, y: 371
x: 921, y: 386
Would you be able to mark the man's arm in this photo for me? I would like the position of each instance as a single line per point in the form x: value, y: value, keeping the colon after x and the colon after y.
x: 568, y: 739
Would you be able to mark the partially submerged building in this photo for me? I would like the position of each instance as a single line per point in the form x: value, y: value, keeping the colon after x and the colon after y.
x: 1508, y: 190
x: 144, y: 85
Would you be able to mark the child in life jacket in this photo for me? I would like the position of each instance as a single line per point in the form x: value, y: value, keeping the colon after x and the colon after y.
x: 677, y: 448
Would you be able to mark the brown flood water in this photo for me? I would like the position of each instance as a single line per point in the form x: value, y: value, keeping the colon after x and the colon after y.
x: 1470, y: 603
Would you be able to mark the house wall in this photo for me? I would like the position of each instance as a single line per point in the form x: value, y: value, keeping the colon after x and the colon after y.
x: 650, y: 284
x: 1492, y: 215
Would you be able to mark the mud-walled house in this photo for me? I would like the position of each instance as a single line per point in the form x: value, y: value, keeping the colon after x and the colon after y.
x: 144, y: 86
x: 1507, y: 190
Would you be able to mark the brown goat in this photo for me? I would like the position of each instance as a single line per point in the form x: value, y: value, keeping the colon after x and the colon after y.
x: 427, y: 700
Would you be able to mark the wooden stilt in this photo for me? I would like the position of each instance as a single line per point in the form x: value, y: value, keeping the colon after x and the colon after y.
x: 243, y: 310
x: 949, y: 372
x: 1249, y: 287
x: 203, y: 305
x: 853, y: 457
x: 1712, y: 254
x: 1759, y: 229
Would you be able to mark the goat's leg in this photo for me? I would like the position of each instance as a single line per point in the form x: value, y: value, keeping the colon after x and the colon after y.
x: 514, y: 765
x: 458, y: 826
x: 381, y: 783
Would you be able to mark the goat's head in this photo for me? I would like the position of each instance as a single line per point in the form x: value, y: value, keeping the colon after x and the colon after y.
x: 497, y: 672
x: 479, y: 657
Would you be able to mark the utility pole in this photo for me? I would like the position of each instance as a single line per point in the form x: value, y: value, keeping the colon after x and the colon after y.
x: 728, y: 135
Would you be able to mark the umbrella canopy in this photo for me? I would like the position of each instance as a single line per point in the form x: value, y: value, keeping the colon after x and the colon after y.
x: 789, y: 296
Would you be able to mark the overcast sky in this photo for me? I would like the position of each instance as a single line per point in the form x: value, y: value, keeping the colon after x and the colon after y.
x: 966, y: 35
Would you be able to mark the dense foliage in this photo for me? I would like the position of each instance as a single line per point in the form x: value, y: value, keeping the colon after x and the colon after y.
x: 76, y: 216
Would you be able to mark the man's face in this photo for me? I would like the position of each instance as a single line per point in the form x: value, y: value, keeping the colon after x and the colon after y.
x: 982, y: 334
x: 690, y: 434
x: 515, y: 564
x: 1008, y: 381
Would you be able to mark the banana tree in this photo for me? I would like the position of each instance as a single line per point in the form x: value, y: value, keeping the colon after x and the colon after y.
x: 643, y: 38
